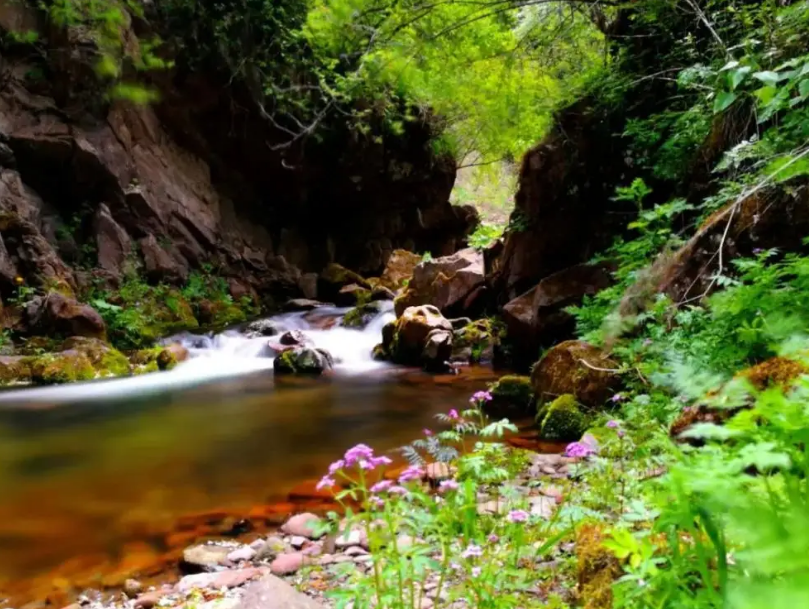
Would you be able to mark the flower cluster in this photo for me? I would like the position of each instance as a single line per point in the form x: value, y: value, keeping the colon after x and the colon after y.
x: 447, y: 485
x: 518, y: 516
x: 410, y: 474
x: 480, y: 397
x: 361, y: 456
x: 579, y: 450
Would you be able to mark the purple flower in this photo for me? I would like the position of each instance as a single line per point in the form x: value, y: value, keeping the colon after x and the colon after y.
x: 377, y: 502
x: 398, y: 490
x: 493, y: 538
x: 427, y: 432
x: 472, y: 551
x: 336, y: 466
x: 325, y: 482
x: 481, y: 396
x: 617, y: 398
x: 613, y: 424
x: 518, y: 516
x: 447, y: 485
x: 648, y: 342
x: 358, y: 453
x: 381, y: 486
x: 411, y: 473
x: 455, y: 566
x: 475, y: 571
x: 453, y: 414
x: 578, y: 450
x: 621, y: 433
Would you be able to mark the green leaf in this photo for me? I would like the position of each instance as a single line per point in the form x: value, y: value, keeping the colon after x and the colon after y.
x: 738, y: 76
x: 803, y: 88
x: 768, y: 77
x: 723, y: 101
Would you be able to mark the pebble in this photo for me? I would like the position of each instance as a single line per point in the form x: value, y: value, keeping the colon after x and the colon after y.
x: 287, y: 564
x: 302, y: 525
x: 542, y: 506
x: 207, y: 556
x: 273, y: 546
x: 297, y: 541
x: 352, y: 537
x: 132, y: 588
x: 355, y: 551
x: 149, y: 599
x: 222, y: 579
x: 241, y: 554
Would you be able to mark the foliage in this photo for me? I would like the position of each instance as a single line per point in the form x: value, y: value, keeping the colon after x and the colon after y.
x: 485, y: 234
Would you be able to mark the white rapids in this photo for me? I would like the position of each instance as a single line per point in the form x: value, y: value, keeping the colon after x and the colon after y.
x: 229, y: 354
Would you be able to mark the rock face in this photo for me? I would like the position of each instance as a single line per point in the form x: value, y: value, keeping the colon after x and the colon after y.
x: 446, y: 283
x: 576, y: 368
x: 538, y: 318
x: 196, y: 179
x: 420, y: 337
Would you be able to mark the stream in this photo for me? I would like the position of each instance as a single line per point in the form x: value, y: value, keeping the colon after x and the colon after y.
x: 105, y: 478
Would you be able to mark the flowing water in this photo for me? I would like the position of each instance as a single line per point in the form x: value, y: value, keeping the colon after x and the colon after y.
x: 107, y: 479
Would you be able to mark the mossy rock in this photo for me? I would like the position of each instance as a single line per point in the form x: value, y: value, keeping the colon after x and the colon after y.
x: 361, y: 316
x: 158, y: 358
x: 15, y: 370
x: 379, y: 353
x: 596, y: 567
x: 303, y: 360
x: 563, y: 421
x: 106, y: 360
x: 475, y: 339
x: 65, y: 367
x: 512, y: 395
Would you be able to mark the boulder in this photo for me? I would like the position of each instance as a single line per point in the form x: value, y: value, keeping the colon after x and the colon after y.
x: 512, y: 397
x: 473, y: 342
x: 171, y: 355
x: 446, y: 283
x: 576, y: 368
x: 271, y: 592
x: 64, y: 367
x: 335, y: 277
x: 161, y: 261
x: 106, y: 360
x: 538, y: 317
x: 303, y: 525
x: 437, y: 350
x: 303, y: 304
x: 562, y: 421
x: 206, y: 557
x: 303, y: 360
x: 380, y: 292
x: 406, y: 339
x: 14, y: 370
x: 399, y: 269
x: 294, y: 338
x: 308, y: 285
x: 58, y: 315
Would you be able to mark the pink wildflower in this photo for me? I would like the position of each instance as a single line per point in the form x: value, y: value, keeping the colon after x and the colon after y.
x: 447, y: 485
x: 358, y: 453
x: 493, y: 538
x: 411, y: 473
x: 518, y: 516
x: 578, y: 450
x: 481, y: 396
x: 475, y: 571
x: 427, y: 432
x: 381, y: 486
x: 398, y: 490
x: 325, y: 482
x: 613, y: 424
x: 336, y: 467
x: 472, y: 551
x: 453, y: 414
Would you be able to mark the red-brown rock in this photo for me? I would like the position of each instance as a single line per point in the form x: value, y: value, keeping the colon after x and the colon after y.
x: 58, y: 315
x: 399, y: 269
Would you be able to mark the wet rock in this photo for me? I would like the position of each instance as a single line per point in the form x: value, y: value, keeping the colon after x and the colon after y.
x: 304, y: 525
x: 380, y: 292
x: 294, y: 338
x: 474, y: 342
x: 263, y: 327
x: 287, y: 564
x: 576, y: 368
x: 303, y: 304
x: 63, y: 367
x: 171, y: 355
x: 206, y: 556
x: 352, y: 295
x: 406, y: 339
x: 270, y: 548
x: 273, y: 593
x: 58, y: 315
x: 132, y: 588
x: 361, y: 316
x: 445, y: 283
x: 148, y: 600
x: 562, y: 421
x: 308, y: 285
x: 221, y: 579
x: 399, y: 269
x: 437, y: 351
x: 303, y: 360
x: 297, y: 541
x: 14, y: 370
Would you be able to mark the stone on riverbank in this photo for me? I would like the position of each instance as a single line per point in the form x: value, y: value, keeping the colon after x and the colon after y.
x: 305, y: 525
x: 270, y: 592
x: 263, y: 327
x: 512, y: 396
x: 58, y: 315
x: 361, y: 316
x: 206, y: 556
x: 399, y: 269
x: 563, y: 421
x: 421, y: 336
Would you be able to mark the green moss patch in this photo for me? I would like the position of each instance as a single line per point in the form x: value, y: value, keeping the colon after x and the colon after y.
x: 563, y: 421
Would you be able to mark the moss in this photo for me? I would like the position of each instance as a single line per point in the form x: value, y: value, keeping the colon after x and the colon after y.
x: 596, y: 567
x: 337, y: 274
x: 512, y: 393
x: 778, y: 371
x: 564, y: 422
x: 379, y: 353
x: 361, y: 315
x: 113, y: 363
x: 286, y: 362
x: 66, y: 367
x: 106, y: 360
x: 15, y: 370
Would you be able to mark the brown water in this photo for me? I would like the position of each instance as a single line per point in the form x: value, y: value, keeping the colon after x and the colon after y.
x: 92, y: 491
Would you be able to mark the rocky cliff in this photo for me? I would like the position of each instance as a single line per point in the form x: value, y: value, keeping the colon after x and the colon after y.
x: 88, y: 187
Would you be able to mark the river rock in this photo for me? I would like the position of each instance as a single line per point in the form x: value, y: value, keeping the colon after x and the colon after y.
x: 351, y: 295
x: 132, y: 588
x: 241, y: 554
x: 287, y: 564
x: 361, y: 316
x: 263, y: 327
x: 294, y: 338
x: 576, y: 368
x: 334, y: 278
x: 446, y: 283
x: 58, y: 315
x: 303, y: 304
x: 221, y: 579
x: 380, y: 292
x: 270, y: 592
x: 406, y: 339
x: 303, y: 360
x: 206, y: 556
x: 270, y: 548
x: 303, y: 525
